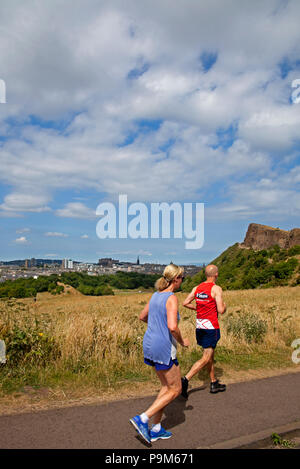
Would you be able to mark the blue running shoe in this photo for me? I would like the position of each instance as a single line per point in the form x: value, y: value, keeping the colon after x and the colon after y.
x: 141, y: 428
x: 161, y: 435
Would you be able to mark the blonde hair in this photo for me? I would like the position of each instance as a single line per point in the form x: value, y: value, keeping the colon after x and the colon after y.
x: 170, y: 273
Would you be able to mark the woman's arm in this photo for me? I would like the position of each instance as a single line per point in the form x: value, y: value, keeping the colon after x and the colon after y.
x: 144, y: 313
x: 172, y: 309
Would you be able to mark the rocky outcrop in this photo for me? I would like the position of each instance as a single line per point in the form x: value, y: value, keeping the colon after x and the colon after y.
x: 263, y: 237
x: 294, y: 237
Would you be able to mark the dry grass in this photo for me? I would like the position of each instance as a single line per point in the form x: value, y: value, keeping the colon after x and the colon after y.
x: 99, y: 340
x: 278, y: 307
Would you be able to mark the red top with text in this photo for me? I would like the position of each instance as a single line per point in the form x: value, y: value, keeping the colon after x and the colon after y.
x: 207, y: 313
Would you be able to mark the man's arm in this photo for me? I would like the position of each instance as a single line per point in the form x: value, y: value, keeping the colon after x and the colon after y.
x: 189, y: 299
x: 217, y: 294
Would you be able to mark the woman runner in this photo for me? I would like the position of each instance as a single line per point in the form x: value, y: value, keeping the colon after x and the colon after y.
x: 159, y: 345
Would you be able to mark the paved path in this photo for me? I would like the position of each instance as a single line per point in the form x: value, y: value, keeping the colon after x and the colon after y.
x: 203, y: 420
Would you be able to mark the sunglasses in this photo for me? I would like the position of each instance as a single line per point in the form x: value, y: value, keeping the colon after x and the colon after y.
x: 180, y: 276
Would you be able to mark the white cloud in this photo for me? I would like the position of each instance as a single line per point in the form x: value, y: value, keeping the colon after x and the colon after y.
x: 85, y: 236
x: 56, y: 234
x: 23, y: 230
x: 76, y: 210
x: 21, y: 240
x: 267, y: 198
x: 25, y: 202
x: 86, y: 90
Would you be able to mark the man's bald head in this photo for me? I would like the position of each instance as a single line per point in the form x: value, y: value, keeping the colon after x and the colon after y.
x: 211, y: 271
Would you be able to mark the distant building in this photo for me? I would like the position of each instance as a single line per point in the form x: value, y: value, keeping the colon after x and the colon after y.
x: 107, y: 262
x: 67, y: 264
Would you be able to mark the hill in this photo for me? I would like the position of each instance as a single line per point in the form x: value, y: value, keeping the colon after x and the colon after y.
x: 264, y: 237
x: 248, y: 268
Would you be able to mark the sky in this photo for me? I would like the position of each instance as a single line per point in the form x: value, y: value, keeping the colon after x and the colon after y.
x: 161, y: 101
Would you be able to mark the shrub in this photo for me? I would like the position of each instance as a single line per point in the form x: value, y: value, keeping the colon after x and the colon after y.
x: 249, y: 327
x: 106, y: 290
x: 28, y: 345
x: 284, y: 270
x: 294, y: 250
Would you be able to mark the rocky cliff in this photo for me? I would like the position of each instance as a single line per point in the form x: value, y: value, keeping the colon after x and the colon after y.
x: 263, y: 237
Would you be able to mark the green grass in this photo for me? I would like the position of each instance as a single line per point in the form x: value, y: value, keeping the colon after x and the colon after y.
x: 253, y: 358
x: 86, y: 374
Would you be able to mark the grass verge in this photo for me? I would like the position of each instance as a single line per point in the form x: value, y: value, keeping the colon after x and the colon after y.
x: 79, y: 346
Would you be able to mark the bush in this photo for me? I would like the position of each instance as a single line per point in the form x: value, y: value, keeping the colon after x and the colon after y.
x: 249, y: 327
x: 284, y: 270
x: 294, y: 250
x: 105, y: 290
x: 28, y: 346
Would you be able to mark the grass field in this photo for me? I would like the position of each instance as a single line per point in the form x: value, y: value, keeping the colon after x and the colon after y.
x: 74, y: 346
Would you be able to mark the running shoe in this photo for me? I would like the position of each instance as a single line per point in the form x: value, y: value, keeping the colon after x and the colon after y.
x: 161, y: 435
x: 217, y: 387
x: 141, y: 428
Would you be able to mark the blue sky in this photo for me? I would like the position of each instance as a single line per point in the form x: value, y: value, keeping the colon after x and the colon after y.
x: 103, y: 100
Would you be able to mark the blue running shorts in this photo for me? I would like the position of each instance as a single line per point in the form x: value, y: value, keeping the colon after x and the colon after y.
x: 161, y: 366
x: 208, y: 338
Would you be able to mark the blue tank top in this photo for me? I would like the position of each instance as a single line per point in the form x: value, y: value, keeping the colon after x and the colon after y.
x: 159, y: 345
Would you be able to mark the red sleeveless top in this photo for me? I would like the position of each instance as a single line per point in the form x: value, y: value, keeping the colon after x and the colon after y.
x: 207, y: 313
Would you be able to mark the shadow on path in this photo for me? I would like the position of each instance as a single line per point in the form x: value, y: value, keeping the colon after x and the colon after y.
x: 175, y: 412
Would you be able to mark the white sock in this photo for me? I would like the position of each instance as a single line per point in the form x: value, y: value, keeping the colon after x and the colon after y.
x: 156, y: 428
x: 144, y: 418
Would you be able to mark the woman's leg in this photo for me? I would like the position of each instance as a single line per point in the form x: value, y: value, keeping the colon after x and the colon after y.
x: 164, y: 389
x: 171, y: 388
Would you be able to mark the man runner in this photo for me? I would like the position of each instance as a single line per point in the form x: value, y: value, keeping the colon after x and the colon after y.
x: 209, y: 303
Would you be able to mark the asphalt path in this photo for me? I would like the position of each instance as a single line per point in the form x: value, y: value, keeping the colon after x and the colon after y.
x: 201, y: 421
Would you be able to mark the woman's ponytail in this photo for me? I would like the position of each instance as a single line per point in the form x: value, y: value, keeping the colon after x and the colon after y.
x: 161, y: 284
x: 170, y: 273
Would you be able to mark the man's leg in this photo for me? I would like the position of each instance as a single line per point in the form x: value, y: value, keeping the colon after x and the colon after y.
x: 206, y: 358
x: 211, y: 368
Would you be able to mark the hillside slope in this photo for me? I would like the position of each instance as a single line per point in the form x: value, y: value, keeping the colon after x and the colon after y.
x: 246, y: 268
